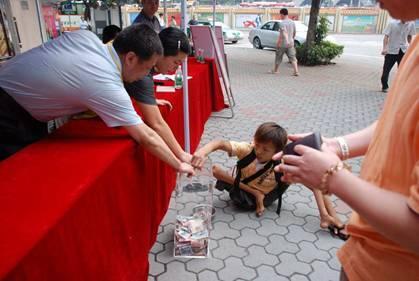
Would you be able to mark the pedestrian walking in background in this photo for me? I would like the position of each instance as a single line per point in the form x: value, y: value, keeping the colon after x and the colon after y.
x: 397, y: 37
x: 285, y: 44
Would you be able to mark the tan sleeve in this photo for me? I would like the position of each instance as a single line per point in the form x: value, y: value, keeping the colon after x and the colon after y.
x: 240, y: 149
x: 413, y: 200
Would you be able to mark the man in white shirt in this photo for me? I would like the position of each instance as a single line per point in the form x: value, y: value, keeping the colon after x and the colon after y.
x: 397, y: 37
x: 75, y: 73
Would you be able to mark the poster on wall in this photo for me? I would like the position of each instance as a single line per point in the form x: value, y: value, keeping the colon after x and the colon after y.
x: 247, y: 20
x: 359, y: 24
x: 51, y: 20
x: 208, y: 17
x: 70, y: 22
x: 330, y: 18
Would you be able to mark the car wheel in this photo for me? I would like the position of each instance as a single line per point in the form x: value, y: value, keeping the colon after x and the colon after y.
x: 256, y: 43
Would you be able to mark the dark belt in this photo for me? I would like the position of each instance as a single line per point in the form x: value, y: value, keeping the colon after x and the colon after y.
x: 17, y: 127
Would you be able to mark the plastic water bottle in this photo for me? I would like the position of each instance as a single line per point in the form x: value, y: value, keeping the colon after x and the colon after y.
x: 178, y: 78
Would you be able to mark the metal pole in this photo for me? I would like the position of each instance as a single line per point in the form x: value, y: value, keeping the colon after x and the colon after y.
x: 39, y: 15
x: 165, y: 12
x: 214, y: 2
x: 185, y: 85
x: 120, y: 16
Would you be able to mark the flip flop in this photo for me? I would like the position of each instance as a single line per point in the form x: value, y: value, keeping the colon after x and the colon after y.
x: 336, y: 232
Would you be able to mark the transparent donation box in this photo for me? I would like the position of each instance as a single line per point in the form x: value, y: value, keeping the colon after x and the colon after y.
x: 194, y: 211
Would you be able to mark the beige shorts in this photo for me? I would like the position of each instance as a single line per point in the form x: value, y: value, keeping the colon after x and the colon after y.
x: 291, y: 54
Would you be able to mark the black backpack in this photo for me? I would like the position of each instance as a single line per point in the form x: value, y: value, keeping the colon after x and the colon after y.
x: 247, y: 201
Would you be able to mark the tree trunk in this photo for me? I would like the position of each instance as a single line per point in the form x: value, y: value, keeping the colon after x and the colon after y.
x: 312, y: 25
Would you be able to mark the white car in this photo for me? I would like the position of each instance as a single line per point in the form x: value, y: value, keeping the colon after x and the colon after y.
x: 230, y: 35
x: 267, y: 34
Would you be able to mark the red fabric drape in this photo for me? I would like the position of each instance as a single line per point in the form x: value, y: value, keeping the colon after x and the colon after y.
x: 85, y: 203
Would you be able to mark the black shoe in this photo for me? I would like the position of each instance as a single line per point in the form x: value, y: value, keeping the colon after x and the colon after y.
x: 384, y: 90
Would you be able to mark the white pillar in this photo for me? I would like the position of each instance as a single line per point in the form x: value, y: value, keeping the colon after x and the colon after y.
x: 185, y: 84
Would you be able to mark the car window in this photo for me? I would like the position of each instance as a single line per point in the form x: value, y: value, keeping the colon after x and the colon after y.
x: 268, y: 25
x: 276, y: 26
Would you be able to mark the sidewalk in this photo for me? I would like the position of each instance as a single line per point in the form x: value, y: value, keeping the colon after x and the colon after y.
x: 334, y: 100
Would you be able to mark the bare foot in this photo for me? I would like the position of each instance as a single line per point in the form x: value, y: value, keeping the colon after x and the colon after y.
x: 273, y: 72
x: 326, y: 220
x: 260, y: 208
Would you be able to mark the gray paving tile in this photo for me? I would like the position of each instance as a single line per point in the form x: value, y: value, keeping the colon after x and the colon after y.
x: 299, y: 277
x: 250, y: 237
x: 287, y: 218
x: 157, y: 269
x: 267, y: 273
x: 326, y: 242
x: 220, y: 215
x: 167, y: 255
x: 289, y: 265
x: 228, y: 247
x: 334, y: 262
x: 309, y: 253
x: 303, y: 209
x: 157, y: 248
x: 242, y: 220
x: 198, y: 265
x: 294, y: 197
x: 269, y: 227
x: 258, y: 256
x: 240, y: 271
x: 312, y: 224
x: 207, y: 275
x: 321, y: 271
x: 278, y: 245
x: 222, y: 229
x: 176, y: 268
x: 297, y: 234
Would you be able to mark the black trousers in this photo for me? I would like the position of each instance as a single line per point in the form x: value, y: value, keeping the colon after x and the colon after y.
x: 17, y: 127
x: 389, y: 61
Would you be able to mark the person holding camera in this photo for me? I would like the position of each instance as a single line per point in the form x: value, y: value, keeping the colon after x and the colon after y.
x: 384, y: 241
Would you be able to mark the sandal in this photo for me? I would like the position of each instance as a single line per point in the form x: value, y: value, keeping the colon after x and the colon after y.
x: 336, y: 231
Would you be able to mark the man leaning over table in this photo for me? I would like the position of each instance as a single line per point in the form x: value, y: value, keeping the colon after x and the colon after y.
x: 176, y: 48
x: 72, y: 74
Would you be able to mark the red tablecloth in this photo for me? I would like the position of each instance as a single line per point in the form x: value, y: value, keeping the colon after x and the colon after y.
x: 85, y: 203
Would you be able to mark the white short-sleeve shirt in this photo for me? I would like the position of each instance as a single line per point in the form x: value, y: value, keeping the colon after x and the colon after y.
x: 69, y: 75
x: 397, y: 33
